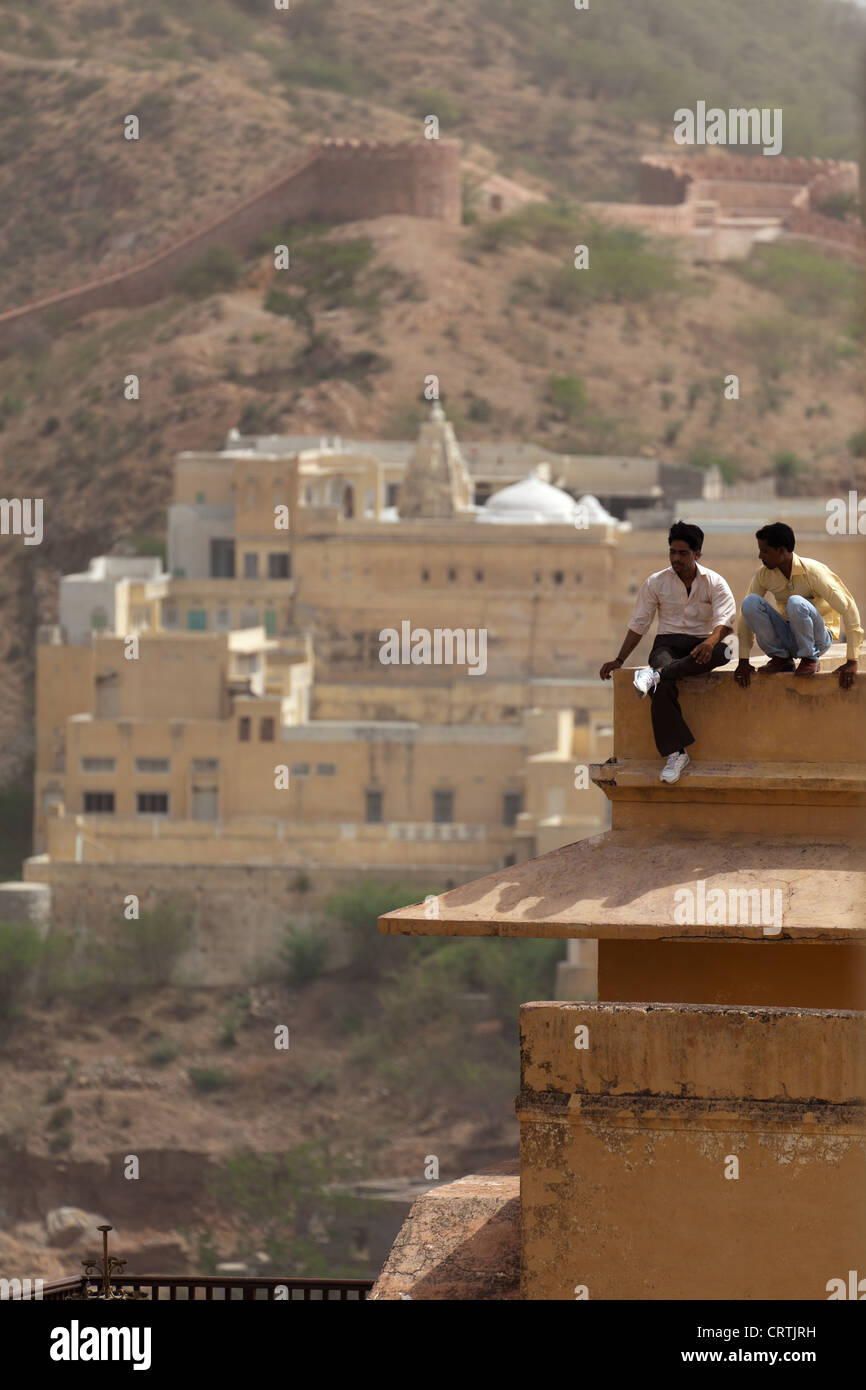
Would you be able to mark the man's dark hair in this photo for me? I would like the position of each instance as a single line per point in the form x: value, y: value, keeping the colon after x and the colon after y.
x: 778, y: 534
x: 685, y: 531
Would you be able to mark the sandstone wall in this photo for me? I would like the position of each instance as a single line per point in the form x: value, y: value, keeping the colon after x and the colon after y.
x: 336, y: 181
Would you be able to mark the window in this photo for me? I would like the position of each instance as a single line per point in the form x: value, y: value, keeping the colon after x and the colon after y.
x: 199, y: 497
x: 99, y: 803
x: 512, y: 805
x: 299, y: 770
x: 222, y: 620
x: 578, y: 579
x: 452, y: 576
x: 373, y: 807
x: 479, y: 576
x: 205, y: 803
x: 392, y: 492
x: 222, y: 559
x: 266, y: 730
x: 425, y: 576
x: 244, y: 729
x: 153, y: 765
x: 196, y: 620
x: 170, y: 616
x: 558, y: 576
x: 443, y: 808
x: 250, y: 617
x: 97, y: 764
x: 152, y: 803
x: 205, y: 764
x: 278, y: 566
x: 326, y: 769
x: 270, y: 622
x: 251, y: 565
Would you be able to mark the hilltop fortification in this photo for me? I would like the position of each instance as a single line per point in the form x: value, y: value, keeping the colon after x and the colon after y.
x: 335, y: 181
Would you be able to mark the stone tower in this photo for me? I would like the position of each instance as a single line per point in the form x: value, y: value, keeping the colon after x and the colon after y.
x: 699, y: 1132
x: 437, y: 484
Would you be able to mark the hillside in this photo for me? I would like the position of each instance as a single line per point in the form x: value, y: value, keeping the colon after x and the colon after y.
x: 396, y: 1049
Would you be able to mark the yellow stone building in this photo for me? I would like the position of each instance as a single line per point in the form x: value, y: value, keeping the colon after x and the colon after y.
x: 237, y: 707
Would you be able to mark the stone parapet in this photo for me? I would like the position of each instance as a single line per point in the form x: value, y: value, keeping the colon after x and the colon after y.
x: 686, y: 1152
x: 459, y: 1241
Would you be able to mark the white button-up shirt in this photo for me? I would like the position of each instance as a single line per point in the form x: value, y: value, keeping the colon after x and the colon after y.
x: 709, y: 605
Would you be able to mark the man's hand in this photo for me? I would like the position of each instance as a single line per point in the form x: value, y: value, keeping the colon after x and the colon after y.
x: 847, y: 675
x: 703, y: 651
x: 743, y: 673
x: 609, y: 667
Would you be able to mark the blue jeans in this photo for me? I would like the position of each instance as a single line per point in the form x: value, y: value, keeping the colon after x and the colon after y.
x: 803, y: 635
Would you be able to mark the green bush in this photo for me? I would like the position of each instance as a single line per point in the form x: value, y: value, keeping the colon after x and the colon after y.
x: 60, y: 1118
x: 706, y: 457
x: 856, y: 444
x: 356, y: 912
x: 546, y: 226
x: 808, y: 282
x: 20, y: 958
x: 351, y: 78
x: 787, y: 464
x: 840, y: 205
x: 568, y: 394
x: 155, y: 111
x: 479, y: 409
x: 163, y: 1053
x: 426, y: 101
x: 303, y: 954
x: 61, y: 1141
x: 270, y: 1198
x: 148, y: 949
x: 216, y: 270
x: 624, y: 269
x: 207, y: 1079
x: 321, y: 1079
x: 775, y: 343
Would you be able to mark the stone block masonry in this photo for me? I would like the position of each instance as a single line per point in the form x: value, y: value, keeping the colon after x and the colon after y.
x: 336, y: 180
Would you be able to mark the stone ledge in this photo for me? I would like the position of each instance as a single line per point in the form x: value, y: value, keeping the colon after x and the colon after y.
x: 459, y: 1241
x: 727, y: 777
x: 624, y: 885
x: 691, y: 1055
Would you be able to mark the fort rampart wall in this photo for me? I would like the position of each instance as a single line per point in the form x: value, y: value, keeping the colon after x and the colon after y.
x: 337, y: 180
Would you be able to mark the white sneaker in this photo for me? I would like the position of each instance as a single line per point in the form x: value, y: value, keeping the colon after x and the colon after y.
x: 645, y: 680
x: 674, y: 767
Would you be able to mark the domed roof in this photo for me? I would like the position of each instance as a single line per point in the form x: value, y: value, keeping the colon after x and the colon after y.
x: 529, y: 502
x: 594, y: 512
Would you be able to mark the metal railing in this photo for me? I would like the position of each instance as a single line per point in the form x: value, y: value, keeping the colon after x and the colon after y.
x: 208, y: 1288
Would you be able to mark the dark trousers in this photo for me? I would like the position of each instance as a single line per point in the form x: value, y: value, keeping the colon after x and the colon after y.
x: 670, y: 657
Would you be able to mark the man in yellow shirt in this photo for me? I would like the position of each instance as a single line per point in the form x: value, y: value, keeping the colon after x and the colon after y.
x: 809, y: 600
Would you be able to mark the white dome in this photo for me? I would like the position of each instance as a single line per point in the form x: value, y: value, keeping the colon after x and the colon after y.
x: 595, y: 512
x: 530, y: 502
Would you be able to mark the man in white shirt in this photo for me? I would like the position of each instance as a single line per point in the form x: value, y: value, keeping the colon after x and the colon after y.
x: 696, y: 611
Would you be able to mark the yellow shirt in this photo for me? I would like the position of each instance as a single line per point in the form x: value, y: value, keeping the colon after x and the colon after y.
x: 815, y: 582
